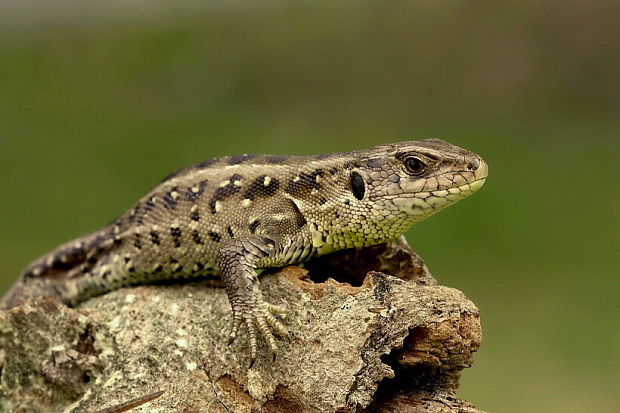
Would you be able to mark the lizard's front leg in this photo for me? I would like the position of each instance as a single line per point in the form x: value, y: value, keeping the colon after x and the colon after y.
x: 237, y: 262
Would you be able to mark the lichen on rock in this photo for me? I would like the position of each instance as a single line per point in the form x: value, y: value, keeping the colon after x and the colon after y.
x: 360, y: 340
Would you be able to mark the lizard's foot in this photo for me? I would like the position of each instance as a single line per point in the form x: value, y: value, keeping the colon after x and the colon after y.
x: 259, y: 316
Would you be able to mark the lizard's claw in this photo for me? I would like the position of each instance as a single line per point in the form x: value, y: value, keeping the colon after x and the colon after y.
x: 259, y: 317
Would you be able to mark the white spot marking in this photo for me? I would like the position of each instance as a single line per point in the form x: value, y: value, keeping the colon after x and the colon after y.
x: 296, y: 179
x: 130, y: 298
x: 267, y: 181
x: 224, y: 183
x: 218, y: 206
x: 246, y: 203
x: 194, y: 208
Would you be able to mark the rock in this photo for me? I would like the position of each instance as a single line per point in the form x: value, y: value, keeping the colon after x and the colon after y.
x: 379, y: 343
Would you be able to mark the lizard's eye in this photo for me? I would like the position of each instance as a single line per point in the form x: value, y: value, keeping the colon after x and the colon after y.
x: 413, y: 165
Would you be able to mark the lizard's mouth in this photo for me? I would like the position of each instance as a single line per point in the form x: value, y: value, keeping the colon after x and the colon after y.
x: 423, y: 203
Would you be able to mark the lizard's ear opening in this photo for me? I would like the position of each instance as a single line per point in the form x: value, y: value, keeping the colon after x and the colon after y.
x: 357, y: 185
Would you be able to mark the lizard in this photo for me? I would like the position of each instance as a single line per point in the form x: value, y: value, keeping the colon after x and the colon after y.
x: 233, y: 216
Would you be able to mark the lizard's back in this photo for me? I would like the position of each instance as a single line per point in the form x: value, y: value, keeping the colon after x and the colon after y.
x: 233, y: 215
x: 176, y: 229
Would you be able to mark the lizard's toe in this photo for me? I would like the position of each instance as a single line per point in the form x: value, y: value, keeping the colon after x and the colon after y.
x: 236, y: 325
x: 258, y: 319
x: 252, y: 334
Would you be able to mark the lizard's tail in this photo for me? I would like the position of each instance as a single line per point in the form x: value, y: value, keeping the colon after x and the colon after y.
x: 51, y: 274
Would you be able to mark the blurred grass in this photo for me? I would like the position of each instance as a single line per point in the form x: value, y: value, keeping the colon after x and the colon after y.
x: 96, y: 107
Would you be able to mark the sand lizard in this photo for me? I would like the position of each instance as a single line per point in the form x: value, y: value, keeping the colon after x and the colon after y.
x: 235, y: 215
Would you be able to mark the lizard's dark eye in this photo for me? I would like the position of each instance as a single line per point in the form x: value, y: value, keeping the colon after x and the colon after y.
x: 414, y: 165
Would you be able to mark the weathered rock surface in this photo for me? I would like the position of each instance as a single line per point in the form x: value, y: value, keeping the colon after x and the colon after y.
x: 380, y: 344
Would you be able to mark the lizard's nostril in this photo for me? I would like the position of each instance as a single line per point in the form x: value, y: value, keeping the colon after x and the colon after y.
x: 473, y: 164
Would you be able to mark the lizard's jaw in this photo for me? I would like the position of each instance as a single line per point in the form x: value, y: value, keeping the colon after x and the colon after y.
x: 439, y: 192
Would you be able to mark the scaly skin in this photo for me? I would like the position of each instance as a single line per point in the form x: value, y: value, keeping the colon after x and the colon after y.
x: 230, y: 216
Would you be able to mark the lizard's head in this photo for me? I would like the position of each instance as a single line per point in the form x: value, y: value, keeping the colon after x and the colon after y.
x: 417, y: 178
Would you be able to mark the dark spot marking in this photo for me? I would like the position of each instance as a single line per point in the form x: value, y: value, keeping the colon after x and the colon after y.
x: 106, y: 274
x: 175, y: 232
x: 207, y: 163
x: 192, y: 196
x: 66, y: 259
x: 224, y: 192
x: 333, y: 170
x: 336, y: 214
x: 196, y: 237
x: 135, y: 216
x: 215, y: 237
x: 137, y: 242
x: 305, y: 184
x: 58, y: 264
x: 322, y: 201
x: 258, y: 189
x: 253, y: 225
x: 155, y: 238
x: 173, y: 261
x: 169, y: 201
x: 149, y: 205
x: 195, y: 215
x: 230, y: 232
x: 127, y: 259
x: 178, y: 269
x: 131, y: 269
x: 118, y: 241
x: 157, y: 269
x: 357, y: 185
x: 198, y: 267
x: 347, y: 202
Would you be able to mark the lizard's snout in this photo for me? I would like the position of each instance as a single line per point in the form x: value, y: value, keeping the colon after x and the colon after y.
x: 478, y: 166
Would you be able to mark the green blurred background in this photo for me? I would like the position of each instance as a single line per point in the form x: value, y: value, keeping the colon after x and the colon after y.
x: 98, y: 101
